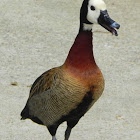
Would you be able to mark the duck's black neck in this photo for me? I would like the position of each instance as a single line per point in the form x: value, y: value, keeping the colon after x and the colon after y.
x: 83, y: 16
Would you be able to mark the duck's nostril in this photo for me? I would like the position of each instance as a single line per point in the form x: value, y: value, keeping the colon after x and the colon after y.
x: 115, y: 25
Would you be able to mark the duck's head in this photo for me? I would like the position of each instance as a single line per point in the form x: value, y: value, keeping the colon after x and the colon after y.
x: 94, y: 11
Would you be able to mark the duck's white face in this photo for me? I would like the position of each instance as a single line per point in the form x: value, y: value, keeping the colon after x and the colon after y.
x: 94, y: 8
x: 94, y: 11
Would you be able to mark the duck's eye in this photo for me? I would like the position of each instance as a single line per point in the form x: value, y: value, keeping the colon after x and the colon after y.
x: 92, y: 8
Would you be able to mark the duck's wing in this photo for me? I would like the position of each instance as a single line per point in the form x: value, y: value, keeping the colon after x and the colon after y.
x: 43, y: 82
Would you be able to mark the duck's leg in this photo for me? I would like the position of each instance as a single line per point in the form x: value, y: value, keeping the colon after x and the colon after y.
x: 52, y: 129
x: 70, y: 125
x: 67, y: 132
x: 54, y: 138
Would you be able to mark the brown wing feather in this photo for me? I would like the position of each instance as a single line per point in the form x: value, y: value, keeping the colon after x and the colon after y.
x: 43, y: 83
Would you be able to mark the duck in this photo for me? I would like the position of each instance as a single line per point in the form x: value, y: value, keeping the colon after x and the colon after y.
x: 66, y: 93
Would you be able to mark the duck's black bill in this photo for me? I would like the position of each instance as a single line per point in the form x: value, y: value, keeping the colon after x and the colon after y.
x: 105, y: 21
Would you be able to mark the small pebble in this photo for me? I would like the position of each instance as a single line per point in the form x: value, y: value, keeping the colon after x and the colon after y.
x: 14, y: 83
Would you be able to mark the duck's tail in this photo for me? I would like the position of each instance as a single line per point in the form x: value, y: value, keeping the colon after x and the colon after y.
x: 25, y: 115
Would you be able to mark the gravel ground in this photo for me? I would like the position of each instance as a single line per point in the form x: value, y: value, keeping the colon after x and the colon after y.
x: 36, y: 35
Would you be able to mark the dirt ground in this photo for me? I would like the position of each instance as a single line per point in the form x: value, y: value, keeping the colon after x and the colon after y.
x: 36, y: 35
